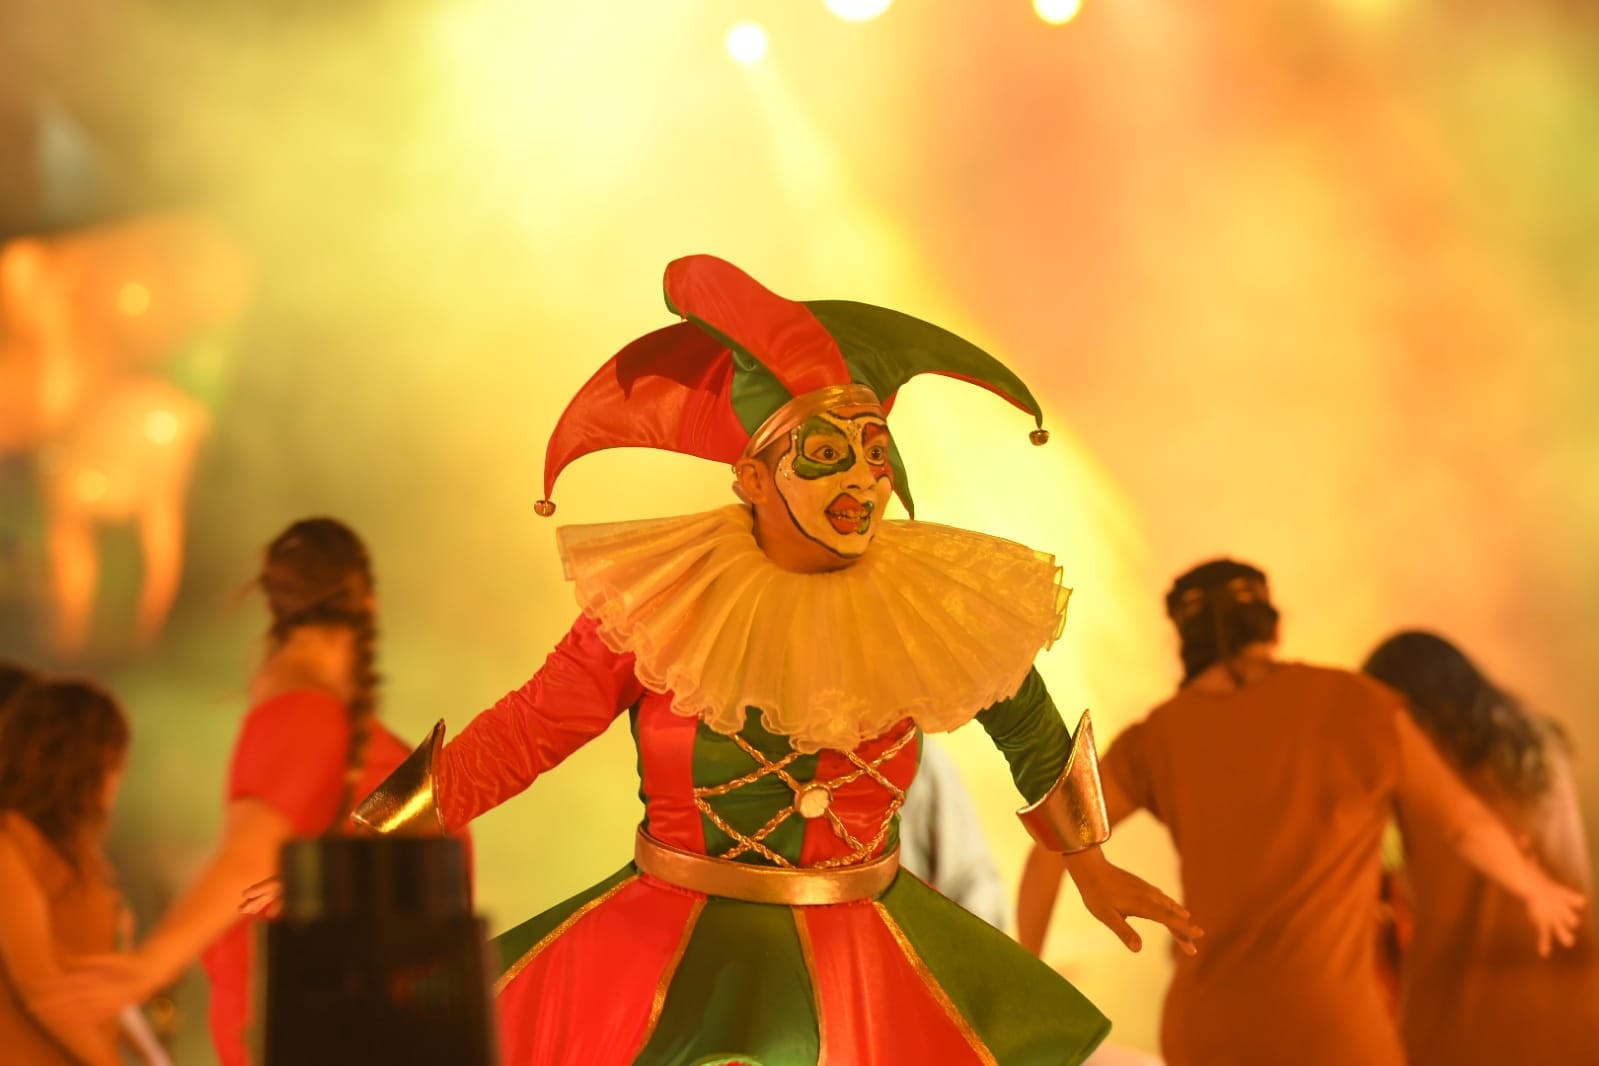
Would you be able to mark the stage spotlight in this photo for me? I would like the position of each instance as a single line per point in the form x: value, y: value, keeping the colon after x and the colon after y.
x: 1367, y: 9
x: 133, y: 299
x: 857, y: 10
x: 1057, y: 12
x: 746, y: 43
x: 161, y: 426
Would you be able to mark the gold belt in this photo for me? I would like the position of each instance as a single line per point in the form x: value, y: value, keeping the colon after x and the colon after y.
x: 790, y: 886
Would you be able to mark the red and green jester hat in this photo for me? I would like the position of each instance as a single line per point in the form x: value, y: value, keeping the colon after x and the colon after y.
x: 746, y: 366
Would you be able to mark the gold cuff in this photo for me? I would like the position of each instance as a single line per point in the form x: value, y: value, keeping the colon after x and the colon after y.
x: 804, y: 406
x: 1071, y: 816
x: 407, y: 802
x: 789, y: 886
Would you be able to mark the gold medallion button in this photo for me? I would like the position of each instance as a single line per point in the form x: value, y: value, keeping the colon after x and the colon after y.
x: 813, y: 800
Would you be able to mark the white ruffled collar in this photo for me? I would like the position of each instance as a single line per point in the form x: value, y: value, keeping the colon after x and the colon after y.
x: 933, y: 623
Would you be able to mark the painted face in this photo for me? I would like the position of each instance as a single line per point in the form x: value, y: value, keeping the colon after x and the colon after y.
x: 835, y: 478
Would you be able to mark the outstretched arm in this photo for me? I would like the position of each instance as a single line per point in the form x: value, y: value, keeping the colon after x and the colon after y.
x: 1058, y: 774
x: 1429, y: 790
x: 1559, y: 835
x: 253, y: 833
x: 574, y: 697
x: 101, y: 986
x: 284, y: 781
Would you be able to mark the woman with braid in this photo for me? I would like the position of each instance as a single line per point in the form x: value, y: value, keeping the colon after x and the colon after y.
x: 1276, y: 780
x: 1472, y: 989
x: 310, y: 743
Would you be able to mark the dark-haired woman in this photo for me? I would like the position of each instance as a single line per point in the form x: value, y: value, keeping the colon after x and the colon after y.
x: 62, y: 748
x: 309, y: 744
x: 1472, y: 988
x: 1276, y: 780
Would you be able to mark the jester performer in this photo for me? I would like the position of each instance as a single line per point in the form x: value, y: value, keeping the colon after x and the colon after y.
x: 779, y: 660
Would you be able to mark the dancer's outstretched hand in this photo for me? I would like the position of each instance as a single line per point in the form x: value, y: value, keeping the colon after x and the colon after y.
x: 264, y: 898
x: 95, y: 988
x: 1555, y: 912
x: 1113, y: 895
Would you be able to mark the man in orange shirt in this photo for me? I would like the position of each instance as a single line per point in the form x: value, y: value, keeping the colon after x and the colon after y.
x: 1276, y: 780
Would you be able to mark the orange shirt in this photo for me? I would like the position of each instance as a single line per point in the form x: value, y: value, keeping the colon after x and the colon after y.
x: 83, y: 919
x: 1276, y: 797
x: 1474, y: 991
x: 290, y: 755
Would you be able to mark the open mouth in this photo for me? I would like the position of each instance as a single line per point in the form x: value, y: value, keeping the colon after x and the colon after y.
x: 848, y: 515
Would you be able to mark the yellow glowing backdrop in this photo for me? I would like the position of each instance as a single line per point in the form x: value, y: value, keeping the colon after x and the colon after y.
x: 1311, y: 283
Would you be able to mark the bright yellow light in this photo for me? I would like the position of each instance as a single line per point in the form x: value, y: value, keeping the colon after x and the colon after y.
x: 1057, y: 12
x: 133, y: 299
x: 746, y: 42
x: 857, y: 10
x: 161, y: 426
x: 90, y: 486
x: 1367, y: 9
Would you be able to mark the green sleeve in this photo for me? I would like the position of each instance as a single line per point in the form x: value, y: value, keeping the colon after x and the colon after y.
x: 1029, y: 731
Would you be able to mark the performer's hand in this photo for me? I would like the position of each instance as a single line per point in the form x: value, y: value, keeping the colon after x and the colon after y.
x: 95, y: 988
x: 1555, y: 912
x: 1113, y: 895
x: 264, y: 898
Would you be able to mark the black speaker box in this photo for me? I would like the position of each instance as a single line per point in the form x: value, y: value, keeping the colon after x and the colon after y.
x: 376, y: 958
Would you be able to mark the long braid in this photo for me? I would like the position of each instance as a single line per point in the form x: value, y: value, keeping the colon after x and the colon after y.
x: 317, y: 573
x: 362, y: 708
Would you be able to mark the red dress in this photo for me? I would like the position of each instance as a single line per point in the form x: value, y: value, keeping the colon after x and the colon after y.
x: 291, y: 756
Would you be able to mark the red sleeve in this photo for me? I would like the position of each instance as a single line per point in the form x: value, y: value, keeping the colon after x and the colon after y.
x: 291, y: 756
x: 573, y: 698
x: 1127, y: 764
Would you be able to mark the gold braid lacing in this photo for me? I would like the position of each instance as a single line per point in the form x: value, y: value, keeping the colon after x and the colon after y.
x: 765, y: 767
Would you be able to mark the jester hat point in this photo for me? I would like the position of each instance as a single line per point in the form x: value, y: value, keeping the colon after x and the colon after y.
x: 745, y: 367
